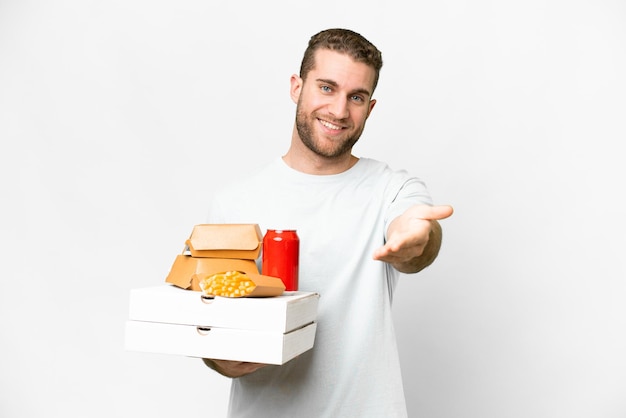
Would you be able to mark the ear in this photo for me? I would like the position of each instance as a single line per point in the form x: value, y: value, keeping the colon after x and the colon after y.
x: 296, y: 88
x: 372, y: 103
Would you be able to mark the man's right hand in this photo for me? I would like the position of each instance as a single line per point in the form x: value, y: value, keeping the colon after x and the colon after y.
x: 232, y: 368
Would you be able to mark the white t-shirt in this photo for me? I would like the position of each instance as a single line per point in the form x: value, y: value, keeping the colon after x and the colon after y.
x: 353, y: 370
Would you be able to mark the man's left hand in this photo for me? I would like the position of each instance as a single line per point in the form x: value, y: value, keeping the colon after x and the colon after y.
x: 408, y: 237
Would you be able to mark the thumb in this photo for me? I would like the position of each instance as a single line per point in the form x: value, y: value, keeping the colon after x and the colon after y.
x: 432, y: 212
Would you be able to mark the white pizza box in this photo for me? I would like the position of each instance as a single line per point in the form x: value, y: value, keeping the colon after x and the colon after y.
x: 170, y: 304
x: 219, y: 343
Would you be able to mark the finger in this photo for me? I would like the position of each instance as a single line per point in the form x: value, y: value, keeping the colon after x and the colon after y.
x: 380, y: 252
x: 433, y: 213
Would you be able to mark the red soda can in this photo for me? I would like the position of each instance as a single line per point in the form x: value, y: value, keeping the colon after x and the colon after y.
x: 281, y: 256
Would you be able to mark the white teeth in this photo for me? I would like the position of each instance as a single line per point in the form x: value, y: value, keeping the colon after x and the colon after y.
x: 329, y: 125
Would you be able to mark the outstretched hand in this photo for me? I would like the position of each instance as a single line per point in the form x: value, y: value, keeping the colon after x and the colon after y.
x: 408, y: 237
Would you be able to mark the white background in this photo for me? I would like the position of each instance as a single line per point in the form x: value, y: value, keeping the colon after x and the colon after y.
x: 119, y: 118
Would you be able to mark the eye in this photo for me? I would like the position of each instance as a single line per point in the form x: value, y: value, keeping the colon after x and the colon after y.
x: 326, y: 89
x: 356, y: 98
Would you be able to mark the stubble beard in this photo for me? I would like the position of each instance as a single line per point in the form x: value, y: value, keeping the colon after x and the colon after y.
x: 304, y: 125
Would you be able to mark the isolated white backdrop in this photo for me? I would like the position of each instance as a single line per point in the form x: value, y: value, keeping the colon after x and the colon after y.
x: 119, y: 118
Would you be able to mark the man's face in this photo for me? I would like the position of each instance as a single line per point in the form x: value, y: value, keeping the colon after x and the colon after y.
x: 333, y: 103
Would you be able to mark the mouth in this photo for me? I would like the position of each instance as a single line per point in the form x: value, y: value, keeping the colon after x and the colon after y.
x: 331, y: 126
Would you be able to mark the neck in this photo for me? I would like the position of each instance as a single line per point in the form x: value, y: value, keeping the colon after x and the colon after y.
x: 300, y: 158
x: 319, y: 166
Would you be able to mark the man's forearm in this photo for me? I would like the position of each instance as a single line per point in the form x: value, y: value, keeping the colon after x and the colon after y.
x: 212, y: 365
x: 232, y: 369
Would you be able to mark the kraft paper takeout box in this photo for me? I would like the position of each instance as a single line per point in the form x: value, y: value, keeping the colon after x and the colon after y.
x: 187, y: 270
x: 241, y: 241
x: 265, y: 286
x: 216, y: 248
x: 169, y: 320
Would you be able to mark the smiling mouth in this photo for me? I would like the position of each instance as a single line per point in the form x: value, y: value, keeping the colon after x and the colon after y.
x: 330, y: 125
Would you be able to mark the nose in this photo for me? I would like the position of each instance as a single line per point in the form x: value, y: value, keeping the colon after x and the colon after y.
x: 338, y: 107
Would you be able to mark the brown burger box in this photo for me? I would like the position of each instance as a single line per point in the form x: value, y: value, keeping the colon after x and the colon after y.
x: 242, y: 241
x: 187, y: 270
x: 216, y: 248
x: 167, y: 319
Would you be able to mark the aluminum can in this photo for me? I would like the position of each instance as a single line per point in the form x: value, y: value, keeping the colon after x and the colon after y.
x: 281, y: 256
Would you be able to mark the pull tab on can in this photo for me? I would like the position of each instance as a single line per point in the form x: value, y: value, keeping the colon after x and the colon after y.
x: 281, y: 256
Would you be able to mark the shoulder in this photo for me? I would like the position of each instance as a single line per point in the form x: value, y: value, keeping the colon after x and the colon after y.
x: 371, y: 164
x: 397, y: 183
x: 382, y: 171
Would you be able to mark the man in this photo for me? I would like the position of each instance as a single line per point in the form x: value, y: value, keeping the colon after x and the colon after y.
x: 360, y: 223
